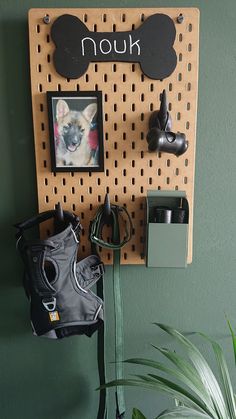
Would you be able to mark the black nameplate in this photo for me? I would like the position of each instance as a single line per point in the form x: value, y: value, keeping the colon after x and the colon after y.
x: 151, y: 45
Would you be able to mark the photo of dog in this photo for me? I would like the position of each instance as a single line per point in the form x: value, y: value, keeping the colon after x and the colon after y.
x: 71, y: 132
x: 75, y: 122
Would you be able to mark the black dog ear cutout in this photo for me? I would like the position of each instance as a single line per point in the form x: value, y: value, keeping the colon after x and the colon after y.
x: 150, y: 45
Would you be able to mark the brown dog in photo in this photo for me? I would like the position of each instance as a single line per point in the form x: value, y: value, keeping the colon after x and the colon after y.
x: 71, y: 132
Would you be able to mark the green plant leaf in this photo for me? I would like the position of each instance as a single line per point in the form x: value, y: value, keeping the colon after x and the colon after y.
x: 182, y: 412
x: 137, y: 414
x: 163, y: 385
x: 233, y: 339
x: 204, y: 371
x: 190, y: 377
x: 224, y: 373
x: 171, y: 385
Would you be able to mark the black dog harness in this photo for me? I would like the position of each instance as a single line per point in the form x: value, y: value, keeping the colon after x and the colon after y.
x: 61, y: 302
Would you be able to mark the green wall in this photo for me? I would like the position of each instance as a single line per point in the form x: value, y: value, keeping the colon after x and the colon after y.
x: 41, y: 379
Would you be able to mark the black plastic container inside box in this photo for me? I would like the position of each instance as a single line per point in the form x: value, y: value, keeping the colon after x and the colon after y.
x: 167, y: 216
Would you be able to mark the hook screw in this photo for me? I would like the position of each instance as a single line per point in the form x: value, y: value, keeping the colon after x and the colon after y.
x: 180, y: 18
x: 46, y: 19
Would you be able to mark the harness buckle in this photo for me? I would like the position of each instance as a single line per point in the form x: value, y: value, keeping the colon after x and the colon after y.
x: 49, y: 303
x: 97, y: 270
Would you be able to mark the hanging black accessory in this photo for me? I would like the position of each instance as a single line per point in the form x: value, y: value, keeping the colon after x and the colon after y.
x: 58, y: 287
x: 112, y: 215
x: 160, y: 138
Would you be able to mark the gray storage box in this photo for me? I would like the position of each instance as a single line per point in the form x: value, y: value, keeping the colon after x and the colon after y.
x: 166, y: 242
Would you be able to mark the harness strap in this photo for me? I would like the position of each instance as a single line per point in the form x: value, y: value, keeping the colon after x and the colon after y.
x: 99, y: 221
x: 44, y: 216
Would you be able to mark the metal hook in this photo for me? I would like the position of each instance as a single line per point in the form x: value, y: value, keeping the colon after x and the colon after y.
x: 161, y: 119
x: 59, y: 212
x: 107, y: 206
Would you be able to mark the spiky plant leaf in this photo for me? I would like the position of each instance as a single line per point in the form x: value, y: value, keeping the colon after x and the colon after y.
x: 182, y: 412
x: 224, y: 374
x: 233, y: 339
x: 162, y: 385
x: 190, y: 378
x: 204, y: 371
x: 137, y: 414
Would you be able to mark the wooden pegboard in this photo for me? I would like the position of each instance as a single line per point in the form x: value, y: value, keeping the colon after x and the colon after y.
x: 128, y: 99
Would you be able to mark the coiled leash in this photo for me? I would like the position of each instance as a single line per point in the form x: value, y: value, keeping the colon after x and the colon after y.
x: 111, y: 215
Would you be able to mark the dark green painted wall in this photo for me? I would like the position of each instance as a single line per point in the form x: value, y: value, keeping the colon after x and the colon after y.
x: 41, y: 379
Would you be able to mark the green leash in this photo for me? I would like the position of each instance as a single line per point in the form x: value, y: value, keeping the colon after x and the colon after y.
x: 111, y: 214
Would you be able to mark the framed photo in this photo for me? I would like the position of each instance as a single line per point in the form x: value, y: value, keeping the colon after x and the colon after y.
x: 76, y: 131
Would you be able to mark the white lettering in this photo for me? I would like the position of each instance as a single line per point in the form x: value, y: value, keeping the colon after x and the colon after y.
x: 109, y: 46
x: 132, y: 45
x: 116, y: 50
x: 94, y: 45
